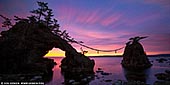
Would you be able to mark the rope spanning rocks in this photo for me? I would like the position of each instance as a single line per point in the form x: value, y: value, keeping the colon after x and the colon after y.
x: 24, y: 45
x: 99, y: 50
x: 134, y: 56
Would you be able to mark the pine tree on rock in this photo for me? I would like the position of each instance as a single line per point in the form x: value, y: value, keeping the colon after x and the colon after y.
x: 7, y: 23
x: 40, y: 11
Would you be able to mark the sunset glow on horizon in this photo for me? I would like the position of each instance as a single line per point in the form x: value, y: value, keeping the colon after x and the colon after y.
x: 104, y: 24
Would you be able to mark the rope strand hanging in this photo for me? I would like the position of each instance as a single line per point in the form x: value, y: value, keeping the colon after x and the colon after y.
x: 115, y: 50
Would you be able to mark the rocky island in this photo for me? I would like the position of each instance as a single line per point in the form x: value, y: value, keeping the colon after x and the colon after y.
x: 134, y: 56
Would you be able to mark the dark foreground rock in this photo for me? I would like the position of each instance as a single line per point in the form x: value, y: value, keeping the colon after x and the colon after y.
x: 134, y: 56
x: 77, y: 78
x: 163, y: 78
x: 161, y: 83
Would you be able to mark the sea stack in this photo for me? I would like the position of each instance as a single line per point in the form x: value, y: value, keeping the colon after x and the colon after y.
x: 134, y: 56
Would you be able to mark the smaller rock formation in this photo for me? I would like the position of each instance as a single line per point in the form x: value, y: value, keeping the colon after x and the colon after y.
x: 134, y: 56
x: 77, y: 63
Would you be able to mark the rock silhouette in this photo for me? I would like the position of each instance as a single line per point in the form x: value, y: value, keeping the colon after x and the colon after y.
x: 134, y: 56
x: 24, y: 45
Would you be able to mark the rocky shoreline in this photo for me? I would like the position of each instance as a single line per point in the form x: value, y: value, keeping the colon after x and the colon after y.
x: 37, y: 72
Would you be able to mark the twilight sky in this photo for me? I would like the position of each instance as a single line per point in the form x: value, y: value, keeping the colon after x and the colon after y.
x: 105, y: 24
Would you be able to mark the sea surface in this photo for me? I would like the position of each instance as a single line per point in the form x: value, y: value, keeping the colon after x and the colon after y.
x: 112, y: 66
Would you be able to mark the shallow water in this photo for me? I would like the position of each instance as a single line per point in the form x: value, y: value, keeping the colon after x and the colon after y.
x: 112, y: 65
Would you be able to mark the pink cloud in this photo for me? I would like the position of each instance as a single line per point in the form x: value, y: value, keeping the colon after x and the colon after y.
x: 70, y: 15
x: 65, y: 13
x: 111, y: 19
x: 88, y: 17
x: 82, y: 17
x: 164, y: 3
x: 157, y: 43
x: 93, y: 17
x: 142, y: 18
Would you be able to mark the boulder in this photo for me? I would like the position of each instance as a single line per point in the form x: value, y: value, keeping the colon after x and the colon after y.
x: 134, y: 56
x: 163, y: 76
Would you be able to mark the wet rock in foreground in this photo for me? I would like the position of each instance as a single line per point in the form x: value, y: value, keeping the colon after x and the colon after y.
x: 163, y: 76
x: 77, y: 78
x: 121, y: 82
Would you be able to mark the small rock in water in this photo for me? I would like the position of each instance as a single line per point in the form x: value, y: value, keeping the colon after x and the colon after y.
x: 89, y: 77
x: 63, y: 83
x: 98, y: 77
x: 99, y: 68
x: 162, y: 83
x: 167, y: 71
x: 85, y: 79
x: 38, y: 77
x: 161, y: 60
x: 55, y: 63
x: 35, y: 78
x: 108, y: 80
x: 76, y: 83
x: 161, y: 76
x: 119, y: 82
x: 99, y: 71
x: 21, y: 78
x: 71, y: 81
x: 104, y: 73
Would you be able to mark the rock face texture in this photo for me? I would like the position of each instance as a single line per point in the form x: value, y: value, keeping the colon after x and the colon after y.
x: 23, y: 47
x: 134, y: 56
x: 22, y: 50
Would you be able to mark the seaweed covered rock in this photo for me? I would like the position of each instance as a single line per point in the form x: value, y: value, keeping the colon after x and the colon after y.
x: 134, y: 56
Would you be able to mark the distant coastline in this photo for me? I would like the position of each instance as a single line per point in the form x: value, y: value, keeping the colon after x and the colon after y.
x: 158, y: 55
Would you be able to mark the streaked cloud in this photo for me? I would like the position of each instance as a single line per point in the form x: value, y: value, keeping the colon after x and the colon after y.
x: 106, y: 24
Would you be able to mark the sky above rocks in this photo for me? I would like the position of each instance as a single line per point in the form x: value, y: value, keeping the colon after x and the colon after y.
x: 104, y: 24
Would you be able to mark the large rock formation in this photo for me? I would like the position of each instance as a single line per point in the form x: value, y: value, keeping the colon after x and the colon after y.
x: 134, y: 56
x: 24, y: 45
x: 22, y: 50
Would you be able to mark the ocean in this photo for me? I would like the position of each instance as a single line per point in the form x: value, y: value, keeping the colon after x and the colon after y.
x: 112, y: 65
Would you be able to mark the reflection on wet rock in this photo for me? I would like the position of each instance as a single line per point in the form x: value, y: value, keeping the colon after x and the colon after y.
x: 77, y: 78
x: 136, y: 75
